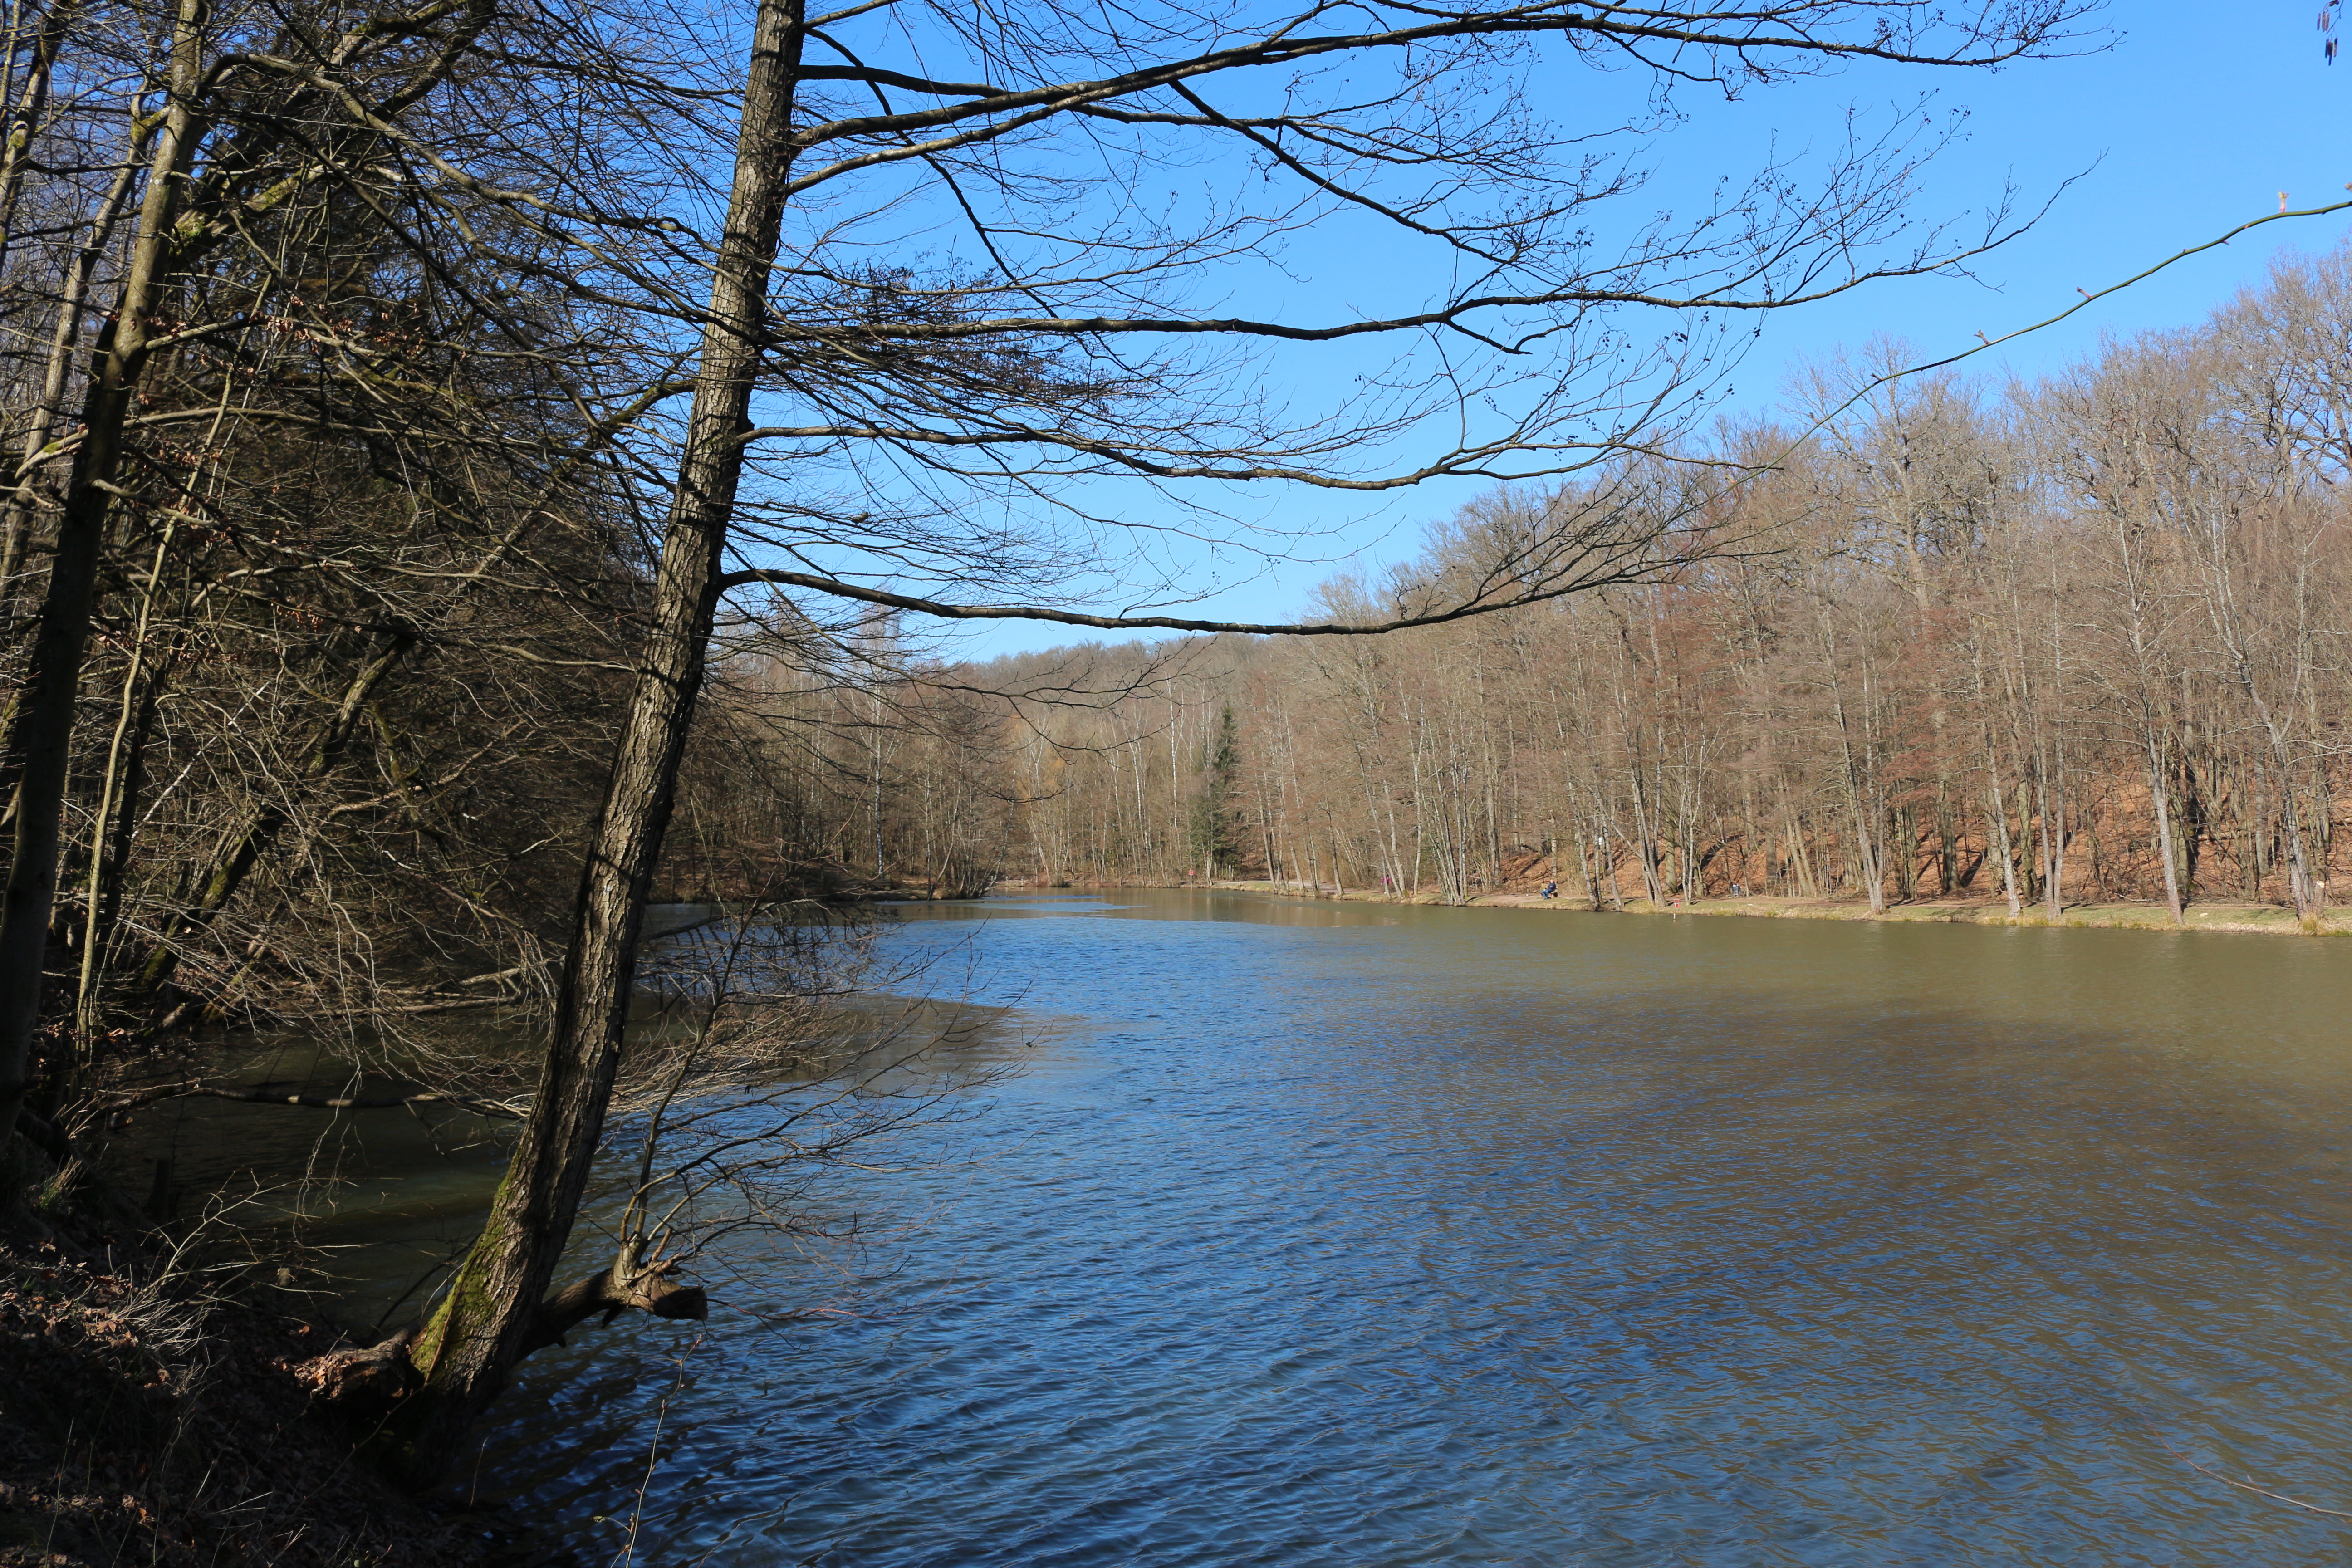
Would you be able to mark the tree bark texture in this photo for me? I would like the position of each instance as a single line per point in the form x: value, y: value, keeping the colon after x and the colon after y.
x: 489, y: 1318
x: 370, y: 1384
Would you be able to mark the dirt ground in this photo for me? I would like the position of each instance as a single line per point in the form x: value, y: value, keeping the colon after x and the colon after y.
x: 145, y: 1420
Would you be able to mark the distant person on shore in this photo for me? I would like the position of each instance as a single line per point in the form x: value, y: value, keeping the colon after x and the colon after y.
x: 1551, y: 891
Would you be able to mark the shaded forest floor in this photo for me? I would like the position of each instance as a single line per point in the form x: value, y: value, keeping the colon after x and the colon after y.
x: 143, y: 1424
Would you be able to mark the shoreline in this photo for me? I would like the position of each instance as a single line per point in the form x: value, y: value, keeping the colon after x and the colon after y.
x: 2268, y: 919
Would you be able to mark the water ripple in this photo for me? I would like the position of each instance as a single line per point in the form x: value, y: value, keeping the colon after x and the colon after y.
x: 1500, y: 1238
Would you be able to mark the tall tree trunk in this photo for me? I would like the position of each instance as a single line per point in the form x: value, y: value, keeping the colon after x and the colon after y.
x: 118, y: 799
x: 1999, y: 818
x: 2050, y: 790
x: 484, y: 1323
x: 1868, y: 862
x: 2160, y: 801
x: 42, y: 738
x: 15, y: 510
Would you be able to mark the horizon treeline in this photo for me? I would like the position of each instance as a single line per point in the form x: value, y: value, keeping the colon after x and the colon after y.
x: 2078, y: 639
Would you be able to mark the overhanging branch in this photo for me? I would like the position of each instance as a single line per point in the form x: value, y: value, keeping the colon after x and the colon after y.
x: 1645, y: 571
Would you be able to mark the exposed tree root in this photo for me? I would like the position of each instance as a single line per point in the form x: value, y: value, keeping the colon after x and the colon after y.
x: 364, y: 1382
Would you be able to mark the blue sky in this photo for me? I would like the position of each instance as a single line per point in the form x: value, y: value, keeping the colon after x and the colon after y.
x: 2194, y: 120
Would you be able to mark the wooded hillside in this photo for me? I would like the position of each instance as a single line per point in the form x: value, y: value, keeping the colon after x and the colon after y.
x: 2080, y: 639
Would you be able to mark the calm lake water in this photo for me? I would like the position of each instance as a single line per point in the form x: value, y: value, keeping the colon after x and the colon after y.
x: 1366, y: 1235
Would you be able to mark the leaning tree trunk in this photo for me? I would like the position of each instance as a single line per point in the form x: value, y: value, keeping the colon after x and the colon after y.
x: 493, y: 1313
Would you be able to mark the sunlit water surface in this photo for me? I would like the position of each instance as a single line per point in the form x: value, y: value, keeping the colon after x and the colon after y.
x: 1362, y: 1235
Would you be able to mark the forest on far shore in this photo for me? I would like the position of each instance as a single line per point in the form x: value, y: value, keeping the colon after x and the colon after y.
x: 2081, y: 639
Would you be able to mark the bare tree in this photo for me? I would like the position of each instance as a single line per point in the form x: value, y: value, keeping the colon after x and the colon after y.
x: 2092, y: 624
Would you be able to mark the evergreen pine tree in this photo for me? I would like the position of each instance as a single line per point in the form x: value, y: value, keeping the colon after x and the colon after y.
x: 1214, y: 835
